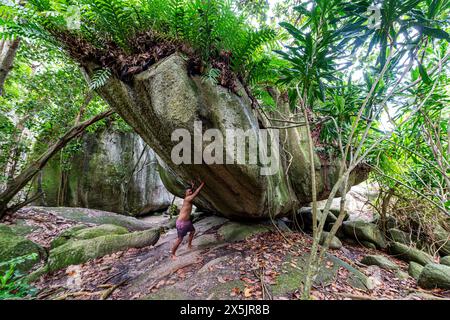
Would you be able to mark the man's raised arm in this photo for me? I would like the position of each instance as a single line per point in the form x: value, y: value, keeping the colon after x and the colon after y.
x: 198, y: 190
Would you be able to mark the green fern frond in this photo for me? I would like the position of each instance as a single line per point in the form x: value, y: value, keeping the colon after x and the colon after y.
x: 99, y: 79
x: 211, y: 75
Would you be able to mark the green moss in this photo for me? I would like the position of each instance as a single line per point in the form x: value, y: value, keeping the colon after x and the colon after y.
x: 364, y: 231
x: 13, y: 246
x: 79, y: 251
x: 102, y: 230
x: 407, y: 253
x: 380, y: 261
x: 83, y: 233
x: 234, y: 231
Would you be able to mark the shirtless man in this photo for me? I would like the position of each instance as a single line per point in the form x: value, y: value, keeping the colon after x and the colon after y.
x: 184, y: 224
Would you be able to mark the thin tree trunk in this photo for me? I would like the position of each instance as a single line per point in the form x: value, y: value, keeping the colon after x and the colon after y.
x: 7, y: 54
x: 27, y: 174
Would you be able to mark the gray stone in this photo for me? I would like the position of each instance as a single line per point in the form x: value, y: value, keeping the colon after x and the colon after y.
x: 367, y: 244
x: 364, y: 231
x: 442, y: 240
x: 415, y: 269
x: 97, y: 217
x: 435, y: 275
x: 335, y: 243
x: 380, y: 261
x: 398, y: 236
x: 408, y: 254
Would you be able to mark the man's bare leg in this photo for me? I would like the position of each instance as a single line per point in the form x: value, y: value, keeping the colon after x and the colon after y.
x: 175, y: 247
x: 191, y: 236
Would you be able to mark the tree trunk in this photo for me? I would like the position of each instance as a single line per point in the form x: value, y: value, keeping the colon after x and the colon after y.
x: 7, y: 54
x: 28, y: 173
x: 164, y: 98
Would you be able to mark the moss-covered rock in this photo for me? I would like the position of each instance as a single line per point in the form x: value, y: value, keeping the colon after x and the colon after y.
x: 380, y: 261
x: 306, y: 217
x: 399, y: 274
x: 235, y: 231
x: 13, y: 246
x: 442, y: 240
x: 98, y: 217
x: 445, y: 260
x: 398, y: 236
x: 335, y: 243
x: 415, y: 269
x: 79, y: 251
x: 83, y: 233
x: 367, y: 244
x: 408, y: 254
x: 435, y: 275
x: 19, y: 228
x: 364, y: 231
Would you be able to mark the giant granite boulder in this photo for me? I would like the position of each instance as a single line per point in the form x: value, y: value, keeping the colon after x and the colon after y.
x: 166, y: 97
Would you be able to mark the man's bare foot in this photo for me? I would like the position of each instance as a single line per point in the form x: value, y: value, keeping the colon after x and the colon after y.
x: 174, y: 257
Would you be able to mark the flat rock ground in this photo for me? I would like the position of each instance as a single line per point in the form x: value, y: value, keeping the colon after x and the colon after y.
x: 267, y: 265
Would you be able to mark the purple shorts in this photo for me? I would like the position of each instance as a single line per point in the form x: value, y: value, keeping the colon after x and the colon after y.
x: 183, y: 227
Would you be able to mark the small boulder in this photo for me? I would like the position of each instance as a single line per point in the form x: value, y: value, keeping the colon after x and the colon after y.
x: 83, y: 233
x: 406, y: 253
x: 415, y: 269
x: 398, y: 236
x: 235, y: 231
x: 75, y: 252
x: 337, y: 211
x: 380, y: 261
x: 445, y: 260
x: 442, y: 237
x: 335, y: 243
x: 399, y: 274
x: 364, y: 231
x: 435, y: 275
x: 367, y: 244
x: 14, y: 246
x: 306, y: 217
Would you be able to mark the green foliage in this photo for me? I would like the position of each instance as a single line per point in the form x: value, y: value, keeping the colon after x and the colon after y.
x: 173, y: 210
x: 208, y: 26
x: 12, y: 284
x: 331, y: 42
